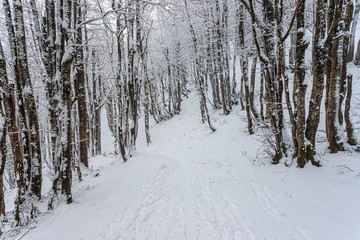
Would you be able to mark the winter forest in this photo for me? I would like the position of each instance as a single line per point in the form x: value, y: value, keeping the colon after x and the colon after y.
x: 179, y: 119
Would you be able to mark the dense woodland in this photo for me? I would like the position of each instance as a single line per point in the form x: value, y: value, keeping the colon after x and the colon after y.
x: 63, y: 62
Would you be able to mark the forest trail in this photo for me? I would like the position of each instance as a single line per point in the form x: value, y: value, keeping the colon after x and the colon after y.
x: 197, y: 185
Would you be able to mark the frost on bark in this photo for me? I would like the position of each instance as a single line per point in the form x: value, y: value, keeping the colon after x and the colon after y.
x: 95, y: 105
x: 3, y: 152
x: 14, y: 135
x: 64, y: 56
x: 333, y: 76
x: 80, y: 87
x: 357, y: 55
x: 67, y: 56
x: 244, y: 68
x: 34, y: 166
x: 351, y: 51
x: 210, y: 58
x: 5, y: 100
x: 28, y: 171
x: 347, y: 18
x: 263, y: 32
x: 220, y: 60
x: 299, y: 78
x: 252, y: 89
x: 319, y: 59
x: 351, y: 138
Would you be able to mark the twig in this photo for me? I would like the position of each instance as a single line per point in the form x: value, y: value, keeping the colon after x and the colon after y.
x: 285, y: 177
x: 26, y: 232
x: 292, y: 22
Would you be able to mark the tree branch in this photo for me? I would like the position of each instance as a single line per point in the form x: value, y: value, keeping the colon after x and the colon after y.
x: 291, y: 23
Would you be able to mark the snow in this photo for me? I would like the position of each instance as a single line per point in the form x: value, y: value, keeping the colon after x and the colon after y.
x: 194, y: 184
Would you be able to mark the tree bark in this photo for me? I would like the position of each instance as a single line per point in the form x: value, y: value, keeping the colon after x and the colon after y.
x: 35, y: 164
x: 333, y: 74
x: 244, y: 68
x: 80, y: 86
x: 299, y: 78
x: 319, y: 59
x: 349, y: 127
x: 252, y: 89
x: 3, y: 151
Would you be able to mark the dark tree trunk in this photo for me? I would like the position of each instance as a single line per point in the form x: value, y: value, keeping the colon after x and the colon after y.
x: 349, y: 127
x: 299, y: 78
x: 5, y: 123
x: 351, y: 51
x: 81, y: 88
x: 252, y: 89
x: 35, y: 166
x: 3, y: 151
x: 333, y: 76
x: 261, y: 96
x: 97, y: 120
x: 357, y: 55
x: 319, y: 59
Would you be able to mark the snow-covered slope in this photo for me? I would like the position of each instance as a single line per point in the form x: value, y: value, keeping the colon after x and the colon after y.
x: 197, y: 185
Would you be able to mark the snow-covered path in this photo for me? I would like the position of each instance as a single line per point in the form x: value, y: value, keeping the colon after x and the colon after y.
x: 197, y: 185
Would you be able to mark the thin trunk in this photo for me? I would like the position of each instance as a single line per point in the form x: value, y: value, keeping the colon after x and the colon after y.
x: 244, y: 67
x: 219, y: 62
x: 261, y: 96
x: 347, y: 19
x: 299, y: 78
x: 252, y: 89
x: 351, y: 51
x: 97, y: 118
x: 357, y: 55
x: 349, y: 127
x: 80, y: 86
x: 3, y: 151
x: 6, y: 122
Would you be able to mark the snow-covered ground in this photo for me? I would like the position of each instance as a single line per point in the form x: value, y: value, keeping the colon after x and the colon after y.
x: 197, y: 185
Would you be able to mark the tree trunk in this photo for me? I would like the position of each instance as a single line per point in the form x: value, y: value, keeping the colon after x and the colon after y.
x: 97, y: 120
x: 244, y: 68
x: 80, y: 87
x: 67, y: 55
x: 3, y: 151
x: 252, y: 89
x: 299, y: 78
x: 351, y: 50
x: 347, y: 19
x: 261, y: 96
x: 319, y: 59
x: 357, y: 55
x: 333, y: 81
x: 219, y: 62
x: 349, y: 127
